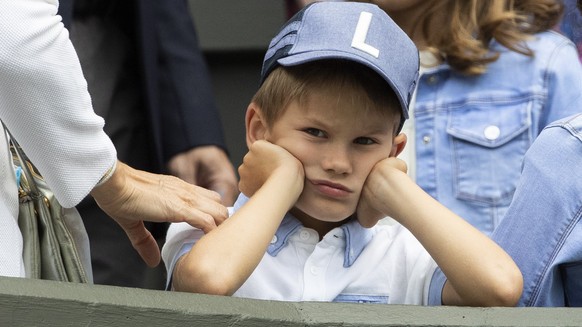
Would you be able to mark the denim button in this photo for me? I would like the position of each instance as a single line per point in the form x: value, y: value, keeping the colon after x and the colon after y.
x: 433, y: 79
x: 492, y: 132
x: 426, y: 139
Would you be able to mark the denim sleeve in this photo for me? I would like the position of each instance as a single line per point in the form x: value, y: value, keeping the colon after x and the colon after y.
x: 435, y: 290
x: 541, y: 230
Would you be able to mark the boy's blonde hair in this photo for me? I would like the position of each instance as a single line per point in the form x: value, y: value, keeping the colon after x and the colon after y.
x: 469, y: 26
x: 362, y: 86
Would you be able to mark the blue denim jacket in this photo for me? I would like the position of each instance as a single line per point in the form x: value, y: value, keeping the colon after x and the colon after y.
x: 542, y: 230
x: 472, y: 132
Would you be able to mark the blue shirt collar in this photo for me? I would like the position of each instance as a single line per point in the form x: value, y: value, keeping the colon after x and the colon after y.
x: 356, y: 236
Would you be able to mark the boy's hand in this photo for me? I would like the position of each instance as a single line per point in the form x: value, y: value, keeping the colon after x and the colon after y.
x: 376, y: 200
x: 264, y: 160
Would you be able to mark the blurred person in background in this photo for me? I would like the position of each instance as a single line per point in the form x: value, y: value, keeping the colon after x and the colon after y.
x: 571, y: 24
x: 148, y: 79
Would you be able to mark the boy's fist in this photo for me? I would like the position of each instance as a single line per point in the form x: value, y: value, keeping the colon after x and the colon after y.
x: 377, y: 198
x: 264, y: 160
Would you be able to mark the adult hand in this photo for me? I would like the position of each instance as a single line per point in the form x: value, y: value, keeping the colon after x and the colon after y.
x: 264, y: 160
x: 132, y: 196
x: 376, y: 201
x: 208, y: 167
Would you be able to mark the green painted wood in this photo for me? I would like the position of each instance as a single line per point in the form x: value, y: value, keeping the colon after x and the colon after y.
x: 26, y: 302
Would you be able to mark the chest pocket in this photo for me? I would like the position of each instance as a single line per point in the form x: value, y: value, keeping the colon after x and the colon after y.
x: 489, y: 141
x: 355, y: 298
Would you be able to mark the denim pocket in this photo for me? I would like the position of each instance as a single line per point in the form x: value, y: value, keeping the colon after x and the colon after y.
x: 358, y: 298
x: 489, y: 140
x: 572, y: 283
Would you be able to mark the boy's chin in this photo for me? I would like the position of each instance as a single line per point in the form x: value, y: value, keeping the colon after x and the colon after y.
x: 326, y: 215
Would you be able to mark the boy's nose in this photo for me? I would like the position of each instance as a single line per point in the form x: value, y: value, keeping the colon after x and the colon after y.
x: 337, y: 160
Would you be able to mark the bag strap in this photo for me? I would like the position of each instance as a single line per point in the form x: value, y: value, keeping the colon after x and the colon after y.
x: 24, y: 161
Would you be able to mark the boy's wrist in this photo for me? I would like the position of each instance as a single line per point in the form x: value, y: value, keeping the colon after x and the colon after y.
x: 397, y: 187
x: 290, y: 180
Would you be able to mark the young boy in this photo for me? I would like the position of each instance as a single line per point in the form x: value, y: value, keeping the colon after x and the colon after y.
x: 323, y: 134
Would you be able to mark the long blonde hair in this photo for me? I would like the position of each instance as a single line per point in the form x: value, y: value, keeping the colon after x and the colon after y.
x: 466, y: 31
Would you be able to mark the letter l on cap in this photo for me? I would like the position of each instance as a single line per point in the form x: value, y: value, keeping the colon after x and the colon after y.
x: 359, y: 40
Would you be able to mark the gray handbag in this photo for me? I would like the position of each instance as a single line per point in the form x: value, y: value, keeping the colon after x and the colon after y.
x: 56, y: 245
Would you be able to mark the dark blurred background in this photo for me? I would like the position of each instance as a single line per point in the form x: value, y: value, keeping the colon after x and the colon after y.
x: 234, y: 36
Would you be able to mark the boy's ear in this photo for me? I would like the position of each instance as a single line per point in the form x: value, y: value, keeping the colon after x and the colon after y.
x: 398, y: 144
x: 256, y: 126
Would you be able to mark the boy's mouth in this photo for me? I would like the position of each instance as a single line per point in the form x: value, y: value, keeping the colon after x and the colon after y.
x: 331, y: 189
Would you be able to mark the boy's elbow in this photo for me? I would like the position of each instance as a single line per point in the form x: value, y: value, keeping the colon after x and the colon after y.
x: 502, y: 289
x: 203, y: 286
x: 507, y: 291
x: 198, y: 278
x: 511, y: 292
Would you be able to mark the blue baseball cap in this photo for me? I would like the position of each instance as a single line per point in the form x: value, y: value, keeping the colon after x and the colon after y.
x: 359, y: 32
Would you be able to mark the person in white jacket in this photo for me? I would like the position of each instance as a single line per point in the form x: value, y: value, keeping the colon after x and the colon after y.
x: 45, y: 104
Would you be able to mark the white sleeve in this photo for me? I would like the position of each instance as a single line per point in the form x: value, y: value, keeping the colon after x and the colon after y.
x: 420, y: 269
x: 45, y: 103
x: 179, y: 240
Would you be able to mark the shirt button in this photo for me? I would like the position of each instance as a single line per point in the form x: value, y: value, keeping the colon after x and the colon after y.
x: 314, y: 270
x: 274, y: 239
x: 304, y: 235
x: 426, y: 139
x: 492, y: 132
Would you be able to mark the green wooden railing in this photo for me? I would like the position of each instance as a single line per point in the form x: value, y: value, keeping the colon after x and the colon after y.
x: 25, y: 302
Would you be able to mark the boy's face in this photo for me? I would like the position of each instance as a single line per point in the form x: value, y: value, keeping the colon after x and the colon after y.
x: 338, y: 145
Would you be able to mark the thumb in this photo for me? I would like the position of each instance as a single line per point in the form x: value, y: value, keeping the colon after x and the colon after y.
x: 143, y: 242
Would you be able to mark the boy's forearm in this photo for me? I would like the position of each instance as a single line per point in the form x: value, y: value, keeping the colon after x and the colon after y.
x: 221, y: 261
x: 479, y: 272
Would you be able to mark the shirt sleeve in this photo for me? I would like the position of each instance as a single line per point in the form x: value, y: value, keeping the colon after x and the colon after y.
x: 418, y: 274
x: 435, y: 291
x: 180, y: 238
x: 45, y: 103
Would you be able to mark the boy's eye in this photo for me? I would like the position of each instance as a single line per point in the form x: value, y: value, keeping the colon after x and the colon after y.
x: 315, y: 132
x: 364, y: 141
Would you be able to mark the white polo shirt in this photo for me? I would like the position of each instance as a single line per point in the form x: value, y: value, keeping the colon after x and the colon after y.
x: 383, y: 264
